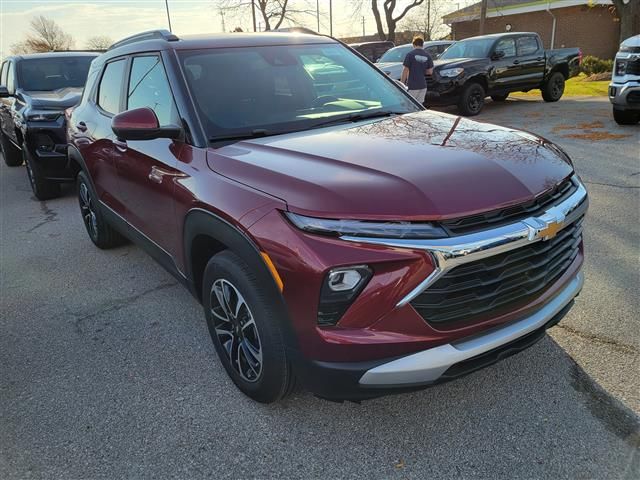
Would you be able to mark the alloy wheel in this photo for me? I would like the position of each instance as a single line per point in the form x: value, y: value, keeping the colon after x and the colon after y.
x: 475, y: 100
x: 236, y: 329
x: 88, y: 211
x: 556, y: 88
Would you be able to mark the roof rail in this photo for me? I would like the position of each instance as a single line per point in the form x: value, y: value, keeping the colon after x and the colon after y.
x: 149, y: 35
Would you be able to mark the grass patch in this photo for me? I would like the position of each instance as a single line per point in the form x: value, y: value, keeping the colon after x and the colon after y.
x: 576, y: 86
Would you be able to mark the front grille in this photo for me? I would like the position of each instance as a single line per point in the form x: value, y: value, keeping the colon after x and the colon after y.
x: 495, y: 218
x: 501, y: 282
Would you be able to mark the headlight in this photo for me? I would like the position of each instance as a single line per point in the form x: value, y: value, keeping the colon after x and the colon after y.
x: 451, y: 72
x: 43, y: 116
x: 620, y: 67
x: 360, y: 228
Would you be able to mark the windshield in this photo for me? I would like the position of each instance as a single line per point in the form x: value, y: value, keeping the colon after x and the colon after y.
x: 277, y: 89
x: 46, y: 74
x: 396, y: 54
x: 469, y: 49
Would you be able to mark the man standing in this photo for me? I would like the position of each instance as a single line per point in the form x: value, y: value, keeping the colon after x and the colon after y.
x: 417, y: 64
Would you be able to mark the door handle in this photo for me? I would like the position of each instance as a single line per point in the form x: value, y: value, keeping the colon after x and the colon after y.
x: 81, y: 126
x: 156, y: 174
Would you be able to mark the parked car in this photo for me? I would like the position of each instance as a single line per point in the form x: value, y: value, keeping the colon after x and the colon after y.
x: 391, y: 62
x: 496, y: 65
x: 34, y: 92
x: 624, y: 90
x: 356, y: 243
x: 372, y: 50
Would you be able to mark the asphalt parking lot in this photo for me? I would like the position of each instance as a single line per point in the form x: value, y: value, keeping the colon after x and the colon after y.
x: 107, y: 369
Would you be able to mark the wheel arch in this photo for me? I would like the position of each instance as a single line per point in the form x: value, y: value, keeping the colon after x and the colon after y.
x: 563, y: 68
x: 207, y: 234
x: 481, y: 79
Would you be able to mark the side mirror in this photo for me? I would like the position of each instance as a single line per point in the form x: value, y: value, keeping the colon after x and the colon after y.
x: 142, y: 124
x: 4, y: 93
x: 497, y: 55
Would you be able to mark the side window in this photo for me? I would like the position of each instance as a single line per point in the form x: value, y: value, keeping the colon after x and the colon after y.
x: 110, y: 86
x: 442, y: 48
x: 527, y: 45
x: 508, y: 46
x: 149, y: 87
x: 11, y: 78
x: 3, y: 74
x: 432, y: 50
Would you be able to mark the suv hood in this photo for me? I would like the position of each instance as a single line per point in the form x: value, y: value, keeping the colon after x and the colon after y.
x: 54, y: 99
x: 458, y: 62
x: 420, y: 166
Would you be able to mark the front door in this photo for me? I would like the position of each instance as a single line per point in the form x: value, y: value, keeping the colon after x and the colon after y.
x: 147, y: 168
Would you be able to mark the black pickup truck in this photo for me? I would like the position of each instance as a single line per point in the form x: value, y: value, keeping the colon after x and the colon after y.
x: 496, y: 65
x: 35, y: 90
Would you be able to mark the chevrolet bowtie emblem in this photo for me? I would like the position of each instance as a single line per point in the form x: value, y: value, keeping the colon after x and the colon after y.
x: 550, y: 231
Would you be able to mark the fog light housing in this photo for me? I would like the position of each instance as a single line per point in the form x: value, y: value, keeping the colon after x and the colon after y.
x: 340, y: 288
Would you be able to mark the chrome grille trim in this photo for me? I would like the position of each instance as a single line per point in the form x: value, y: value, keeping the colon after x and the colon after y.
x: 448, y: 253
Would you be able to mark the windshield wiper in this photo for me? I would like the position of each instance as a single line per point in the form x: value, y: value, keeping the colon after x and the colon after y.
x: 356, y: 117
x: 256, y: 133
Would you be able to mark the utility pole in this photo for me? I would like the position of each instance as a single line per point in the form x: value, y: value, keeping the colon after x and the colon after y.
x: 318, y: 14
x: 253, y: 14
x: 330, y: 18
x: 224, y: 28
x: 483, y: 15
x: 363, y: 34
x: 166, y: 3
x: 428, y: 32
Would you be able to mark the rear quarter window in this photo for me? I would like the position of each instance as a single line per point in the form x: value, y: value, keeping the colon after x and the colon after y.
x: 110, y: 88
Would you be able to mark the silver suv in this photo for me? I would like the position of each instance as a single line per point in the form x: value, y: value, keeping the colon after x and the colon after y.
x: 624, y: 90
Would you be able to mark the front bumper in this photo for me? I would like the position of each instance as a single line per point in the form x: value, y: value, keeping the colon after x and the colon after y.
x: 625, y: 96
x: 362, y: 380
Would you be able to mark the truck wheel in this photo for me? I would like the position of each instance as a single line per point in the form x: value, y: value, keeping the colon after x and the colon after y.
x: 553, y: 88
x: 625, y: 117
x: 42, y: 188
x: 11, y: 154
x: 245, y: 329
x: 499, y: 98
x: 472, y: 99
x: 100, y: 232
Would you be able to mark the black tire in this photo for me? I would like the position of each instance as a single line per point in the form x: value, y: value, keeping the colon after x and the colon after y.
x: 42, y: 188
x: 11, y: 153
x: 250, y: 344
x: 499, y: 98
x: 472, y: 99
x: 553, y: 88
x: 625, y: 117
x: 100, y: 232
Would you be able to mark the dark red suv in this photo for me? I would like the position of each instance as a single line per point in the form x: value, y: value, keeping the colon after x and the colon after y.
x: 335, y: 232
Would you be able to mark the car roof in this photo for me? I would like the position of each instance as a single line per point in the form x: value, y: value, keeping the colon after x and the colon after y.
x: 500, y: 35
x: 428, y: 43
x: 65, y: 54
x: 221, y: 40
x: 379, y: 42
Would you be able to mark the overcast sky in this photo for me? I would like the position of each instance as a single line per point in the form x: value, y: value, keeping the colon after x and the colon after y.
x: 119, y: 18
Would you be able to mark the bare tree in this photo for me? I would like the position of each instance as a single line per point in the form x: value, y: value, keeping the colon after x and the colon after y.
x: 45, y: 36
x: 273, y: 12
x: 99, y: 42
x: 388, y: 17
x: 427, y: 20
x: 628, y: 12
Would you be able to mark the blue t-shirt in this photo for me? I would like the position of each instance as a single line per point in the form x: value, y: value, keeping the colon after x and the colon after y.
x: 418, y: 61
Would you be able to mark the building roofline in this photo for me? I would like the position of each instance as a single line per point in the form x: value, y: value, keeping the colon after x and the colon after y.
x: 472, y: 12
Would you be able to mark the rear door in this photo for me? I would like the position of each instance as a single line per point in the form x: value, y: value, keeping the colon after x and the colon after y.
x: 506, y: 69
x: 147, y: 168
x: 105, y: 102
x: 532, y: 61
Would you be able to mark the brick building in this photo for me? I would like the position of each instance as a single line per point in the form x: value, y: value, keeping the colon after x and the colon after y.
x: 588, y: 24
